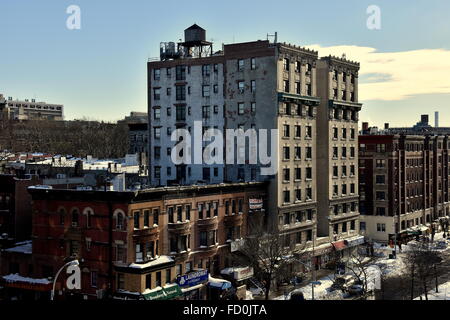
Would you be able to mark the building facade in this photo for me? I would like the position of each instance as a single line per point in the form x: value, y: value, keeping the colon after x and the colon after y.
x: 403, y: 185
x: 149, y: 244
x: 269, y: 86
x: 338, y: 147
x: 30, y: 110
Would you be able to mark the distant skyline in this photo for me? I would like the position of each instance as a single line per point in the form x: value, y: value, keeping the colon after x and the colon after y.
x: 100, y: 70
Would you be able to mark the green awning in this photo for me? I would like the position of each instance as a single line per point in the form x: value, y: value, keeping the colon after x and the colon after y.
x: 172, y: 291
x: 155, y: 295
x: 164, y: 293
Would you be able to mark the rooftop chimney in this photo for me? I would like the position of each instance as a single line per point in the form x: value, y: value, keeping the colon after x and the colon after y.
x: 436, y: 119
x: 386, y: 126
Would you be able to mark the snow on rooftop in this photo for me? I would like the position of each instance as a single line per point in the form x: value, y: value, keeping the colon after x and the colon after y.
x: 17, y: 278
x: 21, y: 247
x: 159, y: 260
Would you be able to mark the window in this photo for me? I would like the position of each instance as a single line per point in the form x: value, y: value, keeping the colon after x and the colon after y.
x: 308, y: 134
x: 308, y: 193
x: 200, y: 211
x: 241, y: 86
x: 240, y: 64
x: 298, y: 131
x: 309, y: 173
x: 297, y: 87
x: 157, y: 113
x: 380, y: 163
x: 119, y: 221
x: 308, y: 153
x: 286, y: 174
x: 380, y: 195
x: 94, y: 277
x: 286, y: 130
x: 298, y: 153
x: 157, y: 132
x: 287, y: 217
x: 180, y: 113
x: 206, y: 112
x: 298, y: 194
x: 286, y: 153
x: 335, y: 152
x: 156, y: 93
x: 286, y: 64
x: 298, y: 173
x: 205, y: 91
x: 155, y: 217
x: 158, y: 279
x: 120, y: 253
x: 380, y: 179
x: 169, y: 91
x: 344, y: 189
x: 179, y: 214
x: 240, y: 108
x: 286, y: 85
x: 188, y: 212
x: 253, y: 86
x: 206, y: 70
x: 146, y: 218
x: 344, y: 152
x: 216, y: 67
x: 216, y: 88
x: 352, y: 133
x: 181, y: 92
x: 287, y: 196
x: 253, y: 63
x: 381, y: 227
x: 335, y: 171
x: 157, y: 152
x: 75, y: 217
x: 156, y: 74
x: 380, y: 211
x: 136, y: 219
x: 170, y: 214
x: 157, y: 172
x: 120, y: 281
x: 180, y: 72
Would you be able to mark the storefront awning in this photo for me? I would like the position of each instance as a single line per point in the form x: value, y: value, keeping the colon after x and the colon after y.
x: 339, y: 245
x: 219, y: 283
x: 19, y: 282
x: 163, y: 293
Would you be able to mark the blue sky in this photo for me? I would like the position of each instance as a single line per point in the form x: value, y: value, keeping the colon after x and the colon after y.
x: 100, y: 71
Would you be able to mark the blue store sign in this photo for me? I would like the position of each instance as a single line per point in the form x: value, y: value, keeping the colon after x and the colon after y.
x: 193, y: 278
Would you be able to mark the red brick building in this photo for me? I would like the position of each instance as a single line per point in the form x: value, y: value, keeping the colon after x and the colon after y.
x: 403, y: 184
x: 137, y: 244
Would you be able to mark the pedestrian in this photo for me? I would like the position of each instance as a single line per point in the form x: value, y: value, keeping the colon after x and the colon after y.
x: 400, y: 246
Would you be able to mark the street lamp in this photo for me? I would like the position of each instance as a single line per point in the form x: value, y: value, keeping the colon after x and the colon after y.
x: 70, y: 263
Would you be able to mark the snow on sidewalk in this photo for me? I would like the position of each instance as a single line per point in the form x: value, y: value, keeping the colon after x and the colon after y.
x: 443, y: 294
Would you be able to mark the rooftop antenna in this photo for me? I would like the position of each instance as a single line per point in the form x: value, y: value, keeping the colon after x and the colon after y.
x: 344, y: 56
x: 275, y: 36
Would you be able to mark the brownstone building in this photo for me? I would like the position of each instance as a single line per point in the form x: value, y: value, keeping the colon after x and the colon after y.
x: 157, y: 243
x: 403, y: 184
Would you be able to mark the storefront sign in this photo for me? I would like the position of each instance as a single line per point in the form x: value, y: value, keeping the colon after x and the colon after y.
x: 193, y: 278
x: 172, y: 291
x: 354, y: 242
x: 243, y: 273
x: 255, y: 204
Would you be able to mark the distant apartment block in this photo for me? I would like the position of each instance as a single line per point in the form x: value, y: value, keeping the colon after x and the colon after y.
x: 29, y: 110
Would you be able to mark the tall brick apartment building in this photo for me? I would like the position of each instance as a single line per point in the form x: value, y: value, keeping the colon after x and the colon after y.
x: 133, y: 244
x: 403, y: 183
x: 311, y: 101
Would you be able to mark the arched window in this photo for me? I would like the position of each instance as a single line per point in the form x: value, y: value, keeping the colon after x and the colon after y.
x: 75, y: 218
x: 89, y: 213
x: 119, y: 222
x: 62, y: 215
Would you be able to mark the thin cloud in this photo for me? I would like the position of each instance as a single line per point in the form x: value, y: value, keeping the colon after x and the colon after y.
x: 405, y: 73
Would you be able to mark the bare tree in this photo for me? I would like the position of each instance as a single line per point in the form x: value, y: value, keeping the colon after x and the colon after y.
x: 271, y: 254
x: 423, y: 264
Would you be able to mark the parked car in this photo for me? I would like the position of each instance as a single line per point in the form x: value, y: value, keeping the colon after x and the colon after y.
x: 355, y: 289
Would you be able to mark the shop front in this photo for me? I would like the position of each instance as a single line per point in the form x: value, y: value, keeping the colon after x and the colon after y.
x: 194, y: 285
x: 239, y: 277
x: 219, y: 289
x: 168, y: 292
x: 23, y: 288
